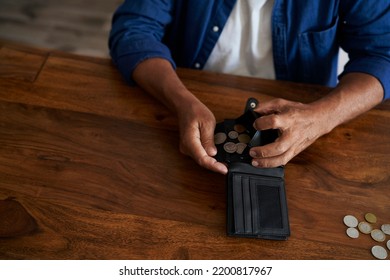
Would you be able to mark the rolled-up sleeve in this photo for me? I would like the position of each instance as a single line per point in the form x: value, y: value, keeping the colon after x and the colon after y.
x: 365, y: 36
x: 136, y: 34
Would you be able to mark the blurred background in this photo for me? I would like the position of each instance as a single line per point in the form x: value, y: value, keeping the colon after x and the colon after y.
x: 76, y: 26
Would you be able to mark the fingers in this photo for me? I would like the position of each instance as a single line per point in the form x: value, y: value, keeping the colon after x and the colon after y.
x: 274, y: 154
x: 198, y: 143
x: 272, y: 121
x: 273, y: 106
x: 207, y: 140
x: 297, y: 130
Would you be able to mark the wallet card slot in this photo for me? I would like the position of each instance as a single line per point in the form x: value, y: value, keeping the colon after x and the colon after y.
x: 246, y: 195
x: 267, y: 194
x: 238, y: 206
x: 255, y: 208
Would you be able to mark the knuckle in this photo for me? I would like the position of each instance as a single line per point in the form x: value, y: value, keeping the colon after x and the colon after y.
x: 201, y: 161
x: 275, y: 121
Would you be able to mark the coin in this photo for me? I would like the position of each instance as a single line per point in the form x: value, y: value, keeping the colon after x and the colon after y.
x: 233, y: 134
x: 244, y: 138
x: 350, y: 221
x: 371, y: 218
x: 378, y: 235
x: 388, y: 244
x: 379, y: 252
x: 365, y: 227
x: 239, y: 128
x: 240, y: 148
x: 386, y: 228
x: 352, y: 232
x: 230, y: 147
x: 219, y: 138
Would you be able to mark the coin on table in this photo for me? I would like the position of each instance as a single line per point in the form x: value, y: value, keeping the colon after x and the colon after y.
x: 239, y: 128
x: 219, y: 138
x: 244, y: 138
x: 378, y: 235
x: 388, y: 244
x: 371, y: 218
x: 230, y: 147
x: 350, y: 221
x: 365, y: 227
x: 233, y: 134
x: 386, y: 228
x: 379, y: 252
x: 240, y: 148
x: 352, y: 232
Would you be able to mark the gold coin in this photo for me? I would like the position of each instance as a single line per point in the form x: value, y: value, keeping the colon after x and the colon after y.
x: 371, y: 218
x: 365, y: 227
x: 239, y: 128
x: 230, y: 147
x: 233, y: 134
x: 352, y: 232
x: 244, y: 138
x: 240, y: 148
x: 219, y: 138
x: 378, y: 235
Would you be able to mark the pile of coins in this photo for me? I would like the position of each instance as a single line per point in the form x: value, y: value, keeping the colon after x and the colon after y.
x: 231, y: 146
x: 367, y: 227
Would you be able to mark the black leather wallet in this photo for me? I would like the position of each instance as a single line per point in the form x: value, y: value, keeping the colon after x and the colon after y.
x: 256, y: 199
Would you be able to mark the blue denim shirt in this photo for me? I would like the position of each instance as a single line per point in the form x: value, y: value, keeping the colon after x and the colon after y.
x: 306, y: 36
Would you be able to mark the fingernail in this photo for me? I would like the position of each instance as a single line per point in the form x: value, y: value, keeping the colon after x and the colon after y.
x: 252, y: 154
x: 255, y: 163
x: 211, y: 151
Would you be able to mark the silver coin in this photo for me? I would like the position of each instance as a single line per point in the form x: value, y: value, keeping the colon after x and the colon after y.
x: 386, y: 228
x: 244, y: 138
x: 230, y: 147
x: 350, y: 221
x: 240, y: 148
x: 378, y: 235
x: 365, y: 227
x: 352, y: 232
x: 388, y: 244
x: 379, y: 252
x: 233, y: 134
x: 219, y: 138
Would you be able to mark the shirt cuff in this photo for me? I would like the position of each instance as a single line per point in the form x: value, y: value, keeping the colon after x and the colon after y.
x: 128, y: 59
x: 375, y: 66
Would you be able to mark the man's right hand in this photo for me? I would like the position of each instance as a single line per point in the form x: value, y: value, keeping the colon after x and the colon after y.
x: 197, y: 124
x: 196, y: 121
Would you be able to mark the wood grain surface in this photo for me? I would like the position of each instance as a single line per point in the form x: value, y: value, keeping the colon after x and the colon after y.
x: 90, y: 169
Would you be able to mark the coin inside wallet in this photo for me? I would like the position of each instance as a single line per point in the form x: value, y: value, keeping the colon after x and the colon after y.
x: 256, y: 200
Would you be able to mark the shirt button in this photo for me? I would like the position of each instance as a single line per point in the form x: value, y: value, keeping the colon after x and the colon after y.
x: 215, y: 28
x: 197, y: 65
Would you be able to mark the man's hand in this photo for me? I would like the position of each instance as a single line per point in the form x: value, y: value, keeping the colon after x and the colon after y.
x: 299, y: 126
x: 196, y: 121
x: 197, y: 124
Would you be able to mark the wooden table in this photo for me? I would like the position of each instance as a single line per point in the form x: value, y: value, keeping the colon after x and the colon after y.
x: 90, y: 169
